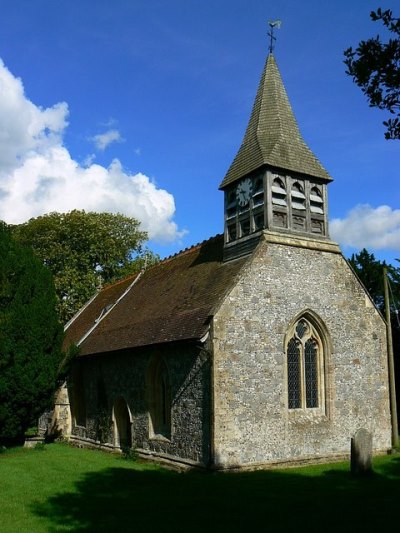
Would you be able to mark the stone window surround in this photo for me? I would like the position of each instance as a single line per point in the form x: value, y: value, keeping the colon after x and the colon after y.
x: 119, y: 405
x: 323, y: 411
x: 79, y: 415
x: 159, y: 401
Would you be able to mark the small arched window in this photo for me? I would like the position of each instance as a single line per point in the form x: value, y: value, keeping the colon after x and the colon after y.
x: 278, y: 192
x: 316, y: 202
x: 159, y: 399
x: 122, y: 424
x: 305, y: 363
x: 78, y: 396
x: 298, y: 197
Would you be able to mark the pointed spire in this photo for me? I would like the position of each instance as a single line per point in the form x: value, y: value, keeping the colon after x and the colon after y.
x: 272, y: 136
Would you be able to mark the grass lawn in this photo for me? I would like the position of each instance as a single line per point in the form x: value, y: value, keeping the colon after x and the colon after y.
x: 59, y: 488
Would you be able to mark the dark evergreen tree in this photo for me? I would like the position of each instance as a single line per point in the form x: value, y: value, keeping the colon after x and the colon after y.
x: 30, y: 338
x: 370, y: 272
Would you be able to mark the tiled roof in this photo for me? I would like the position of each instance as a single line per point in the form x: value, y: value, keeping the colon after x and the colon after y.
x: 272, y: 136
x: 170, y: 301
x: 87, y: 317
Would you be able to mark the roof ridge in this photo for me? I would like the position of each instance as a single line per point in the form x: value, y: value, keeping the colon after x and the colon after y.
x: 119, y: 281
x: 278, y: 115
x: 185, y: 251
x: 188, y: 250
x: 171, y: 303
x: 107, y: 310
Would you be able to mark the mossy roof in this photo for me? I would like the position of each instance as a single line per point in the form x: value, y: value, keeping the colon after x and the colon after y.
x: 171, y: 301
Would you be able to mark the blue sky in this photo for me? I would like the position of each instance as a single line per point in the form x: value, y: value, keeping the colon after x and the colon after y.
x: 140, y: 107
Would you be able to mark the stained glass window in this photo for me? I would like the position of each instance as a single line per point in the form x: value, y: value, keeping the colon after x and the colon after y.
x: 304, y: 367
x: 301, y: 328
x: 294, y: 367
x: 311, y: 373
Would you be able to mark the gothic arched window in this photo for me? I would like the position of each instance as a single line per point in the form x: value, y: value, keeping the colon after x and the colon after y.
x: 78, y: 396
x: 278, y: 193
x: 316, y: 202
x: 304, y: 353
x: 159, y: 391
x: 298, y: 197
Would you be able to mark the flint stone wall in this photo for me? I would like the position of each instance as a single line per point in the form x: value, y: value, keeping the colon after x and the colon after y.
x: 111, y: 376
x: 253, y: 424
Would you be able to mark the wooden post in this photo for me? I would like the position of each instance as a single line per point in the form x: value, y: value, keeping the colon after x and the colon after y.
x: 392, y: 383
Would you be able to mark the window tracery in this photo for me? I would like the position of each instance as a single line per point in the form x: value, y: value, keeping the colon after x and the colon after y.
x: 304, y: 355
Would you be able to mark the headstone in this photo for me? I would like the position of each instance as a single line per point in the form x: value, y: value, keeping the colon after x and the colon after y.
x: 44, y: 423
x: 361, y: 453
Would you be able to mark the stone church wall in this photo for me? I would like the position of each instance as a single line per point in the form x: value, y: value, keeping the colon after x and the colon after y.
x: 253, y: 424
x: 109, y: 377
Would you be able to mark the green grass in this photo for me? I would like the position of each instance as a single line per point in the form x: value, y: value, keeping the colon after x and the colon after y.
x: 59, y: 488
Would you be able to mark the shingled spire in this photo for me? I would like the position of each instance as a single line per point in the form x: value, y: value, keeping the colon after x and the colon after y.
x: 272, y: 136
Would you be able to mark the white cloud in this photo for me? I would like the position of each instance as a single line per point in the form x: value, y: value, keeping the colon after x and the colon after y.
x: 38, y: 174
x: 24, y: 127
x: 102, y: 140
x: 368, y: 227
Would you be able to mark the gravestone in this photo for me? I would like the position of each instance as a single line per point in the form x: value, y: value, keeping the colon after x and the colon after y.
x: 361, y: 453
x: 44, y: 423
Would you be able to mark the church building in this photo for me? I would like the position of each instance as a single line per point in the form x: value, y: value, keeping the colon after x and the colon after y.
x: 255, y: 348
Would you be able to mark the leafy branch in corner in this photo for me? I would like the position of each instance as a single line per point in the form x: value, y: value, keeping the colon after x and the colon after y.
x: 375, y: 67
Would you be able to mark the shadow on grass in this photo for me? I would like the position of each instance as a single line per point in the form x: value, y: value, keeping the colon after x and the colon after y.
x: 121, y: 499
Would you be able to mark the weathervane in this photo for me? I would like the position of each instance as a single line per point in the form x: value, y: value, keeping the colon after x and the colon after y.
x: 273, y: 24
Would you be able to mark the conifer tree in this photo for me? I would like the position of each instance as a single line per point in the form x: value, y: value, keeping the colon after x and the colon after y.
x: 30, y: 338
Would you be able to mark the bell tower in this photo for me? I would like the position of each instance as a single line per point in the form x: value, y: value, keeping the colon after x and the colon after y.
x: 275, y: 184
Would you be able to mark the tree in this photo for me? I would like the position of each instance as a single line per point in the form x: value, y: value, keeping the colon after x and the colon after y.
x: 375, y: 68
x: 84, y: 250
x: 30, y: 338
x: 370, y: 272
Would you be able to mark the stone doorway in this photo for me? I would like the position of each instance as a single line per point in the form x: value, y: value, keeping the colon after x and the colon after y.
x: 122, y: 424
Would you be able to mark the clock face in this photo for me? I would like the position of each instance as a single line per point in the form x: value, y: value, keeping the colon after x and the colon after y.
x: 243, y: 192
